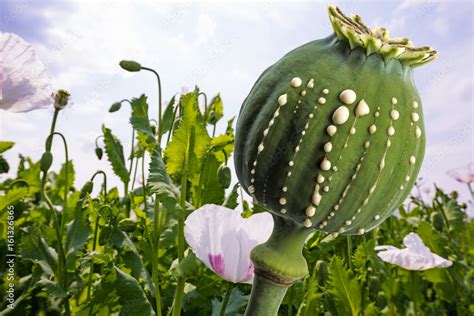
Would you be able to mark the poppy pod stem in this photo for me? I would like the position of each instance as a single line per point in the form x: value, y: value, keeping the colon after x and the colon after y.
x: 159, y: 101
x: 278, y: 263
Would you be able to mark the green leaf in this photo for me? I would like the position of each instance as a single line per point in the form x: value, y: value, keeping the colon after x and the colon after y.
x: 141, y: 123
x: 215, y: 110
x: 114, y: 151
x: 160, y: 183
x: 190, y: 141
x: 30, y: 173
x: 131, y: 295
x: 344, y: 288
x: 77, y: 234
x: 223, y: 143
x: 36, y: 248
x: 4, y: 146
x: 231, y: 199
x: 187, y: 267
x: 167, y: 118
x: 210, y: 191
x: 443, y: 284
x: 52, y: 288
x: 13, y: 196
x: 235, y: 305
x: 130, y: 255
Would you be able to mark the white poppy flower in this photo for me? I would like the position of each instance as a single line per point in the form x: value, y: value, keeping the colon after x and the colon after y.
x: 24, y: 83
x: 222, y: 239
x: 464, y: 174
x: 416, y: 256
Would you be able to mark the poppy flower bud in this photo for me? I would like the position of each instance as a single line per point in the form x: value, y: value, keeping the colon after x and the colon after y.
x: 130, y: 65
x: 46, y: 161
x: 224, y: 176
x: 437, y: 221
x: 321, y: 272
x: 104, y: 235
x: 86, y: 189
x: 127, y: 225
x: 99, y: 152
x: 115, y: 107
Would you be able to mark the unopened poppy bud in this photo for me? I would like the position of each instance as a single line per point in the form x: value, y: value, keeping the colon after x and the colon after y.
x: 454, y: 195
x: 61, y: 98
x: 99, y: 152
x: 224, y: 176
x: 46, y: 161
x: 86, y: 189
x: 115, y: 107
x: 130, y: 65
x: 127, y: 225
x: 321, y: 271
x: 437, y: 221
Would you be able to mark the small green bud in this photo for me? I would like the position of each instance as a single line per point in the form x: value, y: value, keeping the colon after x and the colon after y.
x: 153, y: 129
x: 454, y: 195
x: 224, y: 176
x: 115, y: 107
x: 86, y: 189
x: 99, y: 152
x: 46, y: 161
x: 437, y: 221
x: 321, y: 272
x: 104, y: 234
x: 127, y: 225
x: 130, y: 65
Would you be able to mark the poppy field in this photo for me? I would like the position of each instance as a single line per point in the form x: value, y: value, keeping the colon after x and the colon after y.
x: 107, y: 253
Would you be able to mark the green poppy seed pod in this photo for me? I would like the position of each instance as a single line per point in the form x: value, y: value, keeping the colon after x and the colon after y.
x: 331, y: 136
x: 86, y: 189
x: 61, y: 99
x: 224, y: 176
x: 321, y: 272
x: 127, y: 225
x: 99, y: 152
x: 115, y: 107
x: 130, y: 65
x: 46, y: 161
x: 437, y: 221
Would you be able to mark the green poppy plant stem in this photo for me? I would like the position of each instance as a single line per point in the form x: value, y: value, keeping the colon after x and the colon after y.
x: 104, y: 185
x: 159, y: 102
x: 277, y: 263
x: 178, y: 299
x: 225, y: 301
x: 154, y: 243
x: 62, y: 271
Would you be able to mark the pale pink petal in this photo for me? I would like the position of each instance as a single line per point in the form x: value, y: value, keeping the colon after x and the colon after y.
x: 24, y: 83
x: 416, y: 256
x: 464, y: 174
x: 223, y: 240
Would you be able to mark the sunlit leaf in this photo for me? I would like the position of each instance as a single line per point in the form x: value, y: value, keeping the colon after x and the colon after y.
x: 114, y: 151
x: 345, y: 289
x: 4, y: 146
x: 190, y: 141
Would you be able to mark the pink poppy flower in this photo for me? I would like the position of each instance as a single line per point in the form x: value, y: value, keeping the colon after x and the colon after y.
x: 24, y: 83
x: 222, y: 240
x: 463, y: 174
x: 416, y: 256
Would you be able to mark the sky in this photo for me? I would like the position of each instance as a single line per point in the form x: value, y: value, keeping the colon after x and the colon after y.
x: 222, y: 48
